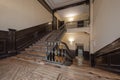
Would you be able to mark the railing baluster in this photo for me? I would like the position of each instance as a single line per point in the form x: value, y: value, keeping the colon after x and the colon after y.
x: 56, y: 52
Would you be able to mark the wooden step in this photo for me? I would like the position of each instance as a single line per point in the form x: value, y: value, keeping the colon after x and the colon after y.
x: 31, y: 58
x: 36, y: 50
x: 36, y: 44
x: 40, y: 48
x: 35, y: 53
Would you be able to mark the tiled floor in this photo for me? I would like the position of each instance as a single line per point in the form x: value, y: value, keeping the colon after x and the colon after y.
x: 14, y: 69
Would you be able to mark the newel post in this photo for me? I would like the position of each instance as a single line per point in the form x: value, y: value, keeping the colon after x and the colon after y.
x: 12, y: 42
x: 92, y: 60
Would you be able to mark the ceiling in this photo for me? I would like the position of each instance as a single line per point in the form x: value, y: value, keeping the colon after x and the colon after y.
x: 60, y: 3
x: 78, y: 12
x: 73, y: 11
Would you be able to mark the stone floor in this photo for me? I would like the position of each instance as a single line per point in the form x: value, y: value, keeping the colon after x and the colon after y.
x: 15, y: 69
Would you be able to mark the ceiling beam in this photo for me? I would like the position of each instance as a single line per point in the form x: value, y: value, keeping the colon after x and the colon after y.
x: 72, y: 5
x: 45, y: 5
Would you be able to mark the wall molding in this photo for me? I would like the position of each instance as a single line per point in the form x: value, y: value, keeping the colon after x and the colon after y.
x: 12, y: 41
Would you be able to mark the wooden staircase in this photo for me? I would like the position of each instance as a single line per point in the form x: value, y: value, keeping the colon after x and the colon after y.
x: 38, y: 52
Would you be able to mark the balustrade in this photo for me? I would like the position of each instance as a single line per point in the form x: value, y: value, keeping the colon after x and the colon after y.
x: 56, y: 52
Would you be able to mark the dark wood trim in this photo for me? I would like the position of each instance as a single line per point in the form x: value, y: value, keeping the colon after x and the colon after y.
x: 92, y: 60
x: 26, y: 37
x: 72, y: 5
x: 45, y: 5
x: 3, y: 46
x: 107, y: 47
x: 109, y: 57
x: 86, y: 55
x: 53, y: 20
x: 87, y: 2
x: 54, y: 26
x: 3, y: 43
x: 12, y: 41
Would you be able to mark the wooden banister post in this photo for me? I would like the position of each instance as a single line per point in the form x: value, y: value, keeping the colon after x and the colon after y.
x: 12, y: 41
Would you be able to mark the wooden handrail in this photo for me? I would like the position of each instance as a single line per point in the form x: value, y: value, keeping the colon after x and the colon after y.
x: 68, y: 50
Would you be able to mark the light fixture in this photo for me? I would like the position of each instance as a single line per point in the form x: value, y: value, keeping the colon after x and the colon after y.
x: 71, y: 19
x: 71, y: 40
x: 71, y: 15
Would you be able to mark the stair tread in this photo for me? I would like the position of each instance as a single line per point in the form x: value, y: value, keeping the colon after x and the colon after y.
x: 38, y: 50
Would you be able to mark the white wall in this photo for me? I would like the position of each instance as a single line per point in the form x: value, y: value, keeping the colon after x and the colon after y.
x: 21, y: 14
x: 106, y: 23
x: 71, y: 25
x: 79, y: 37
x: 82, y: 29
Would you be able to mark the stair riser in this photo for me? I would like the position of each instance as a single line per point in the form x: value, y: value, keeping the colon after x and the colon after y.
x: 37, y: 51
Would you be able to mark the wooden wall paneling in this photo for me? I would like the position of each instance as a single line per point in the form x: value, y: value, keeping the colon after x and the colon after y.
x: 92, y: 60
x: 11, y: 41
x: 26, y: 37
x: 115, y: 60
x: 109, y: 56
x: 3, y: 43
x: 3, y: 46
